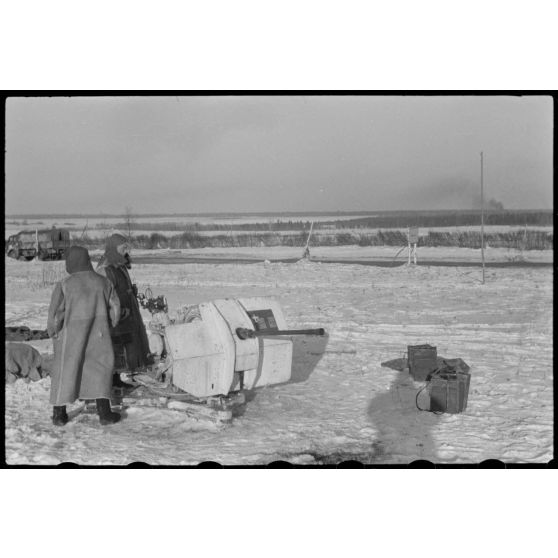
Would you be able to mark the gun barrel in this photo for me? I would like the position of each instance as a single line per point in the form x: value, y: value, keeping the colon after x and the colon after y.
x: 245, y: 333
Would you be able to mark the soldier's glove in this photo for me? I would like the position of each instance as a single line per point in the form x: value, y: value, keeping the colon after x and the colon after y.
x: 124, y: 313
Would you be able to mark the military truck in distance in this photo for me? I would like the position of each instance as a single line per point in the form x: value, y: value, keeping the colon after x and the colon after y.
x: 45, y: 244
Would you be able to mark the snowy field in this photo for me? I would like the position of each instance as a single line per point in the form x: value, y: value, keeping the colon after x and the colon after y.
x: 350, y: 253
x: 341, y: 403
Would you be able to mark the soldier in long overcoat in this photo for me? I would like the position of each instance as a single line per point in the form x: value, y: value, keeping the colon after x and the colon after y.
x: 78, y: 323
x: 129, y: 337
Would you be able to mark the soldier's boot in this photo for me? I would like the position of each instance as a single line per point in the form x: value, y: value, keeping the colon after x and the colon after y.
x: 106, y: 416
x: 59, y: 415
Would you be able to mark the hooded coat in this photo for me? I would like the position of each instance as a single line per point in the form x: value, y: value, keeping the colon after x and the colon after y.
x: 129, y: 334
x: 78, y: 323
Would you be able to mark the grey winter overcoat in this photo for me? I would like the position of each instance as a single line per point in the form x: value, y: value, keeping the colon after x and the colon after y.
x: 78, y: 323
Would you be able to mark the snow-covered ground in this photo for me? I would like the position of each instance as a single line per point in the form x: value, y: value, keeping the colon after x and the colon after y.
x: 352, y: 253
x: 341, y: 403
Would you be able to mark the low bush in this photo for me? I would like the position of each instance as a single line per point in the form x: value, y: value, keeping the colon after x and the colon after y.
x: 519, y: 240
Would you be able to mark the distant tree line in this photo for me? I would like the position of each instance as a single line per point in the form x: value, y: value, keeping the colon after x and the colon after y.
x: 174, y: 226
x: 449, y: 219
x: 379, y: 220
x: 384, y: 220
x: 521, y: 240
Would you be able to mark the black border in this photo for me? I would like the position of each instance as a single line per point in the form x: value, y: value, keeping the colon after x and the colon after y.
x: 487, y: 464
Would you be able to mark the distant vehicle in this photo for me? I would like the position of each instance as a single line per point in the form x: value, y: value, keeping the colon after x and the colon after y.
x: 45, y: 244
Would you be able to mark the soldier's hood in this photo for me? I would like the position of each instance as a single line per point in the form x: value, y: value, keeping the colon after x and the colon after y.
x: 77, y: 260
x: 111, y: 256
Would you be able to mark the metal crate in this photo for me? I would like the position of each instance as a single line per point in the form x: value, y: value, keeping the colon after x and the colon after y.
x: 422, y: 361
x: 449, y: 391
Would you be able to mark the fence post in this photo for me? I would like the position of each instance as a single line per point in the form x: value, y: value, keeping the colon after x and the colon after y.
x: 482, y: 218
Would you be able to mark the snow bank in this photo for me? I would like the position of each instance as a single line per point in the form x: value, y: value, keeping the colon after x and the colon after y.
x: 341, y: 403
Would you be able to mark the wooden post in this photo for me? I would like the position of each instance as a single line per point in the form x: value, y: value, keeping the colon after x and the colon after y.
x: 306, y: 253
x: 482, y: 218
x: 412, y: 239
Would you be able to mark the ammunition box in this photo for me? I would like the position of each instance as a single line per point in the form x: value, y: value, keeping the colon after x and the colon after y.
x: 422, y: 361
x: 449, y: 392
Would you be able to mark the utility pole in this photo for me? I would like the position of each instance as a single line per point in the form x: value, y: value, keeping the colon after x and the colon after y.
x: 482, y: 218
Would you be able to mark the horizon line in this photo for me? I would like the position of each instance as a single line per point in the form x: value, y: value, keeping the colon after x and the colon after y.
x: 261, y: 213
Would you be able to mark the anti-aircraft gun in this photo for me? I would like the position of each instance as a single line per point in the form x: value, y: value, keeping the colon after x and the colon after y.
x: 207, y: 355
x: 151, y: 303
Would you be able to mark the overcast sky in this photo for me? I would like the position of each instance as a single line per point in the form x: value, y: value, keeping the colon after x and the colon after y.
x: 296, y: 153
